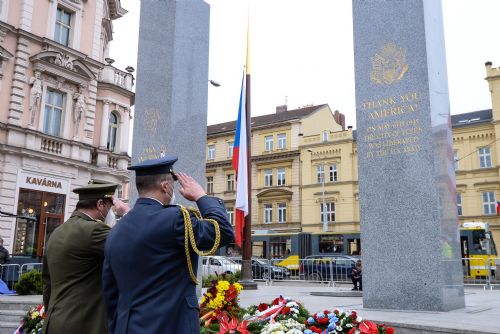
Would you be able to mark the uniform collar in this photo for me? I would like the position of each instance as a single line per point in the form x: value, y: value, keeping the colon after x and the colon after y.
x: 82, y: 215
x: 148, y: 200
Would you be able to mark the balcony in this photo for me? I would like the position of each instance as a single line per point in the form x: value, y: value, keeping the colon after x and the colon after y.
x: 63, y: 150
x: 113, y: 76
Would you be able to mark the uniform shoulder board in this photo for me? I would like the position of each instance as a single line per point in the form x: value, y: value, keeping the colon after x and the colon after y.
x: 170, y: 206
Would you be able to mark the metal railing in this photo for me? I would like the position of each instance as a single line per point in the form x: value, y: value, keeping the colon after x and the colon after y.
x: 481, y: 271
x: 10, y: 273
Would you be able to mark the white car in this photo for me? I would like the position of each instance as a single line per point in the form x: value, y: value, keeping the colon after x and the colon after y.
x: 220, y: 265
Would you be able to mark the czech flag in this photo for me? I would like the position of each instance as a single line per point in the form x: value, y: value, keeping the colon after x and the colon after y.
x: 240, y: 165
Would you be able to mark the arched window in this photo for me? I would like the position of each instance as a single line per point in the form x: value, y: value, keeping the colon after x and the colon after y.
x: 112, y: 131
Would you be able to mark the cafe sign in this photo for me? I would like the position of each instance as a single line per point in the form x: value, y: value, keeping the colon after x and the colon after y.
x: 42, y: 182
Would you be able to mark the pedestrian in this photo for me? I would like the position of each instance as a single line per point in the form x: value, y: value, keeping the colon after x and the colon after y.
x: 149, y: 274
x: 72, y: 270
x: 357, y: 277
x: 4, y: 253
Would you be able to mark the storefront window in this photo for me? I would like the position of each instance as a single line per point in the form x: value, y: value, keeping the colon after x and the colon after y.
x: 40, y: 213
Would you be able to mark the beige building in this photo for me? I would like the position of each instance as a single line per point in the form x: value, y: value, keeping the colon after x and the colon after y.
x: 65, y: 112
x: 318, y: 162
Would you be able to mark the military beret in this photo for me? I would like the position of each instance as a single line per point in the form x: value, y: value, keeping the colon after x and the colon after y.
x: 161, y: 165
x: 96, y: 191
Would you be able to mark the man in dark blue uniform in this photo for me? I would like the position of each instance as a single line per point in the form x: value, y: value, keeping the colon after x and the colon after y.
x: 150, y: 265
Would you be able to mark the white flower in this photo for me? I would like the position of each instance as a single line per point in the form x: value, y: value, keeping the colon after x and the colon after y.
x: 338, y: 328
x: 359, y: 319
x: 292, y: 304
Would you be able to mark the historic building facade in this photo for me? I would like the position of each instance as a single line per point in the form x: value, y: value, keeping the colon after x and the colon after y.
x: 319, y: 165
x: 65, y: 112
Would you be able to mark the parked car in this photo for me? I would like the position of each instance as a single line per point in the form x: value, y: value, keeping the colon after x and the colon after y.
x: 327, y: 267
x: 212, y: 265
x: 263, y: 269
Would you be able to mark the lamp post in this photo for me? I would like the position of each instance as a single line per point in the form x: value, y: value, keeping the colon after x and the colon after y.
x: 323, y: 209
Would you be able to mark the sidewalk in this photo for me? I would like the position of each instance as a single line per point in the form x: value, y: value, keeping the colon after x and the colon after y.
x: 481, y: 314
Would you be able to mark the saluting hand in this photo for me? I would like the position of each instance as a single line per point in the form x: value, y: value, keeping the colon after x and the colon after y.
x: 189, y: 188
x: 120, y: 208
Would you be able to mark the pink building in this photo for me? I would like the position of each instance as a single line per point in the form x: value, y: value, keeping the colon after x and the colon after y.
x: 64, y: 112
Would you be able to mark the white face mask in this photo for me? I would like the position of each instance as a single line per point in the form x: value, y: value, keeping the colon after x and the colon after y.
x: 110, y: 218
x: 172, y: 199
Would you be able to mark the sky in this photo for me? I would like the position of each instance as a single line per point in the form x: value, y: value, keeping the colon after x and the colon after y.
x: 301, y: 53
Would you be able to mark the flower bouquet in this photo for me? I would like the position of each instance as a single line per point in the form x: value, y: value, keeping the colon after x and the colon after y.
x: 32, y: 322
x: 337, y: 322
x: 220, y: 302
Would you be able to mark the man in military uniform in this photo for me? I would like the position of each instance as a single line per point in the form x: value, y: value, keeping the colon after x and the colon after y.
x: 150, y: 267
x: 72, y: 271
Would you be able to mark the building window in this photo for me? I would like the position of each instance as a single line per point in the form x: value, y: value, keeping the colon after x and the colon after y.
x: 325, y: 135
x: 230, y: 214
x: 269, y: 143
x: 320, y: 173
x: 211, y: 152
x: 281, y: 212
x: 112, y: 131
x: 333, y: 173
x: 230, y: 148
x: 63, y: 27
x: 210, y: 184
x: 268, y: 177
x: 455, y: 159
x: 484, y: 157
x: 489, y: 203
x: 230, y: 182
x: 119, y: 191
x: 282, y: 141
x: 53, y: 113
x: 268, y: 213
x: 459, y: 204
x: 281, y: 176
x: 330, y: 212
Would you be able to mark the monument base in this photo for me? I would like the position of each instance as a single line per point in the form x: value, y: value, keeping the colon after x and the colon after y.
x: 248, y: 284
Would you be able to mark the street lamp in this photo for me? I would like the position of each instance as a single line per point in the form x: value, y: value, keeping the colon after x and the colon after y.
x: 214, y: 83
x: 323, y: 211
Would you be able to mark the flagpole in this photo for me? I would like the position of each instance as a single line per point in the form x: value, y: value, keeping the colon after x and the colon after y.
x: 246, y: 271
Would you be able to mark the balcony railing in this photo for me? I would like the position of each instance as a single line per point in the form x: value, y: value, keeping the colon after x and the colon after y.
x: 51, y: 146
x: 112, y: 75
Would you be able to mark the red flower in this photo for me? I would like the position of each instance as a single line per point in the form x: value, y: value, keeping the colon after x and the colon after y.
x: 354, y: 315
x: 352, y: 331
x: 323, y: 321
x: 368, y: 327
x: 262, y: 307
x: 285, y: 310
x: 231, y: 293
x: 326, y: 312
x: 390, y: 330
x: 336, y: 312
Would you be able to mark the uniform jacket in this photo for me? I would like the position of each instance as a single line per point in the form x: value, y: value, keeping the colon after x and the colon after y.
x: 146, y: 282
x: 72, y: 272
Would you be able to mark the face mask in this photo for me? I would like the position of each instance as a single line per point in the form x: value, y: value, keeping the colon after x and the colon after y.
x: 110, y: 218
x: 172, y: 199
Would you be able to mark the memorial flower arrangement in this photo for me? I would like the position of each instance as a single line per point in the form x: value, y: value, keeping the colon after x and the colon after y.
x: 220, y: 301
x: 338, y: 321
x: 281, y: 316
x: 32, y: 322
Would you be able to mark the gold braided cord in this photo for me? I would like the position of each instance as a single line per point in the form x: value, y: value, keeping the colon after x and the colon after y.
x: 189, y: 237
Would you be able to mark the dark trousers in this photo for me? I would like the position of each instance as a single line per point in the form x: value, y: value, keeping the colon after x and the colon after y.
x: 357, y: 282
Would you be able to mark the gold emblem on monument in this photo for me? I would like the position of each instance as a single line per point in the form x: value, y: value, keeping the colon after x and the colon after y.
x: 151, y: 118
x: 389, y: 64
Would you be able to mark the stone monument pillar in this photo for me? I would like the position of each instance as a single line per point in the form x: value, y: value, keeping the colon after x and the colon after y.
x: 172, y: 85
x: 409, y: 226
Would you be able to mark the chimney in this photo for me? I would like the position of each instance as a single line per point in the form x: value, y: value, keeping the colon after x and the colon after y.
x: 281, y: 108
x: 339, y: 118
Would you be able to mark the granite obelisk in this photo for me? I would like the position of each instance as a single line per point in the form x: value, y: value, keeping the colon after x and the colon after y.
x: 172, y: 85
x: 409, y: 226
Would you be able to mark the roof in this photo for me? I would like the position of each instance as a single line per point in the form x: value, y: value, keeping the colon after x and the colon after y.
x: 470, y: 118
x: 265, y: 119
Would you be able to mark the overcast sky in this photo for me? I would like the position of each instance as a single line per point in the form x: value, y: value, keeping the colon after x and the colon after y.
x: 302, y: 53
